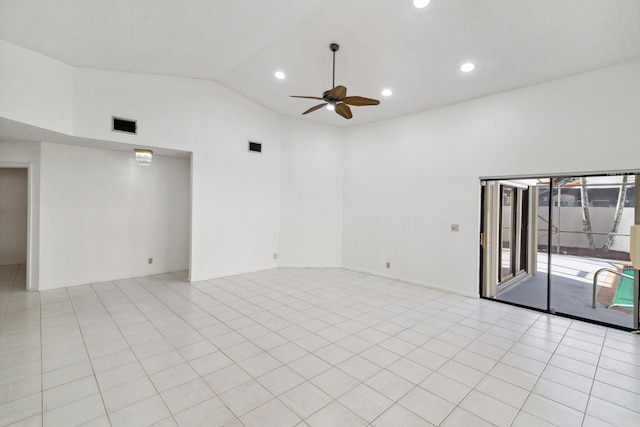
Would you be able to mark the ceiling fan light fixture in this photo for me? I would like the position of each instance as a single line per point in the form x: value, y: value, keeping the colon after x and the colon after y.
x: 420, y: 4
x: 331, y: 106
x: 387, y: 92
x: 467, y: 67
x: 280, y: 75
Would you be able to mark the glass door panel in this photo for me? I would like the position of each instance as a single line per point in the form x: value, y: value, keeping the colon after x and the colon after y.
x: 592, y: 216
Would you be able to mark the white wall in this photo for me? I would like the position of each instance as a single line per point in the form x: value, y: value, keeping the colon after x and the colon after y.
x: 27, y: 154
x: 311, y: 200
x: 235, y: 194
x: 103, y: 215
x: 13, y: 215
x: 35, y: 89
x: 408, y: 179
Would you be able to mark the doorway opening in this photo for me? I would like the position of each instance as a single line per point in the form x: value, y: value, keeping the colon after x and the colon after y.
x: 561, y: 245
x: 14, y: 218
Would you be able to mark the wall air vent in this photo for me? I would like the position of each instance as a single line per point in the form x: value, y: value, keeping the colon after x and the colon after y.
x: 124, y: 125
x: 255, y: 146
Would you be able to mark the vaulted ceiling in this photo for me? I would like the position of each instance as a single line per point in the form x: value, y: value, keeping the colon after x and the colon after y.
x: 383, y: 44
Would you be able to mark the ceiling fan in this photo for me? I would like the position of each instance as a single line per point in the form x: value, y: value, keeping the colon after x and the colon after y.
x: 336, y: 98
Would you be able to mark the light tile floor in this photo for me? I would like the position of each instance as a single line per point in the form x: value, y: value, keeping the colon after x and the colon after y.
x: 296, y: 347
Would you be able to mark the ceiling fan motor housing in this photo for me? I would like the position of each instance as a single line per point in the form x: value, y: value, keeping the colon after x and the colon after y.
x: 328, y: 98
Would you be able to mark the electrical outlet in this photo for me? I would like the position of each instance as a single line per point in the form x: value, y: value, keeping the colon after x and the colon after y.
x: 388, y: 265
x: 275, y: 256
x: 455, y: 227
x: 150, y: 260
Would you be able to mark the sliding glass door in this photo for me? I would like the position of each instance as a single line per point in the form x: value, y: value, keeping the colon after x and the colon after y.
x: 560, y: 245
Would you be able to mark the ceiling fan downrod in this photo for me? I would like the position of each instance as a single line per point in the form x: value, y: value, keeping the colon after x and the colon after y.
x: 334, y: 48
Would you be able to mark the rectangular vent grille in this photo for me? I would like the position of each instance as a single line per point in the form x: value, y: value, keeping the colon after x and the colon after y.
x: 124, y: 125
x: 255, y: 146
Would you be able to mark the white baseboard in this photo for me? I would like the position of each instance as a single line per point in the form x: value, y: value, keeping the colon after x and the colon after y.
x: 415, y: 282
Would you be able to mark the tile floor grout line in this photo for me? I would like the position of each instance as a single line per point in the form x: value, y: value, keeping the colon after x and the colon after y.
x: 97, y: 296
x: 222, y: 351
x: 530, y: 392
x: 351, y: 324
x: 593, y: 381
x: 138, y: 360
x: 486, y: 374
x: 75, y: 315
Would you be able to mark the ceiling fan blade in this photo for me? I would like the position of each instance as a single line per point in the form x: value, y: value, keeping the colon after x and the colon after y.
x: 315, y: 108
x: 338, y: 92
x: 344, y: 110
x: 359, y: 101
x: 306, y: 97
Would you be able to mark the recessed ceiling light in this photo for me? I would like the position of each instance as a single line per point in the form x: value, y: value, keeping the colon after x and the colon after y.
x: 280, y: 75
x: 419, y: 4
x: 387, y: 92
x: 469, y: 66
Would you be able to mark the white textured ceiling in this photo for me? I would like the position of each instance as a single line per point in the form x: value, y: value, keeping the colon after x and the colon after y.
x: 383, y: 43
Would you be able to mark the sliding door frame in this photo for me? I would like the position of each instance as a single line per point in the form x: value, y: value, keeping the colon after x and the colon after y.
x: 491, y: 188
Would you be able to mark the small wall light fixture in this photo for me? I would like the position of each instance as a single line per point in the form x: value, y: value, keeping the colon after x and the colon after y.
x: 143, y: 156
